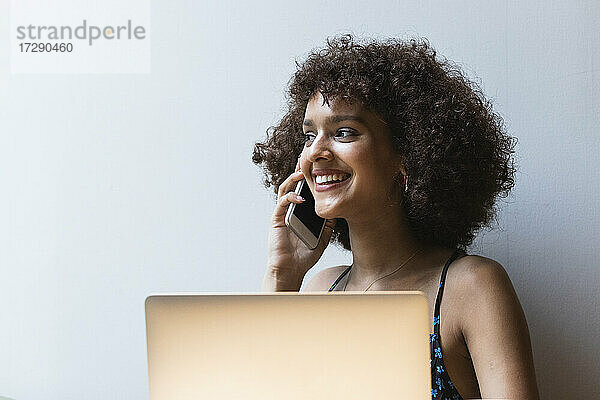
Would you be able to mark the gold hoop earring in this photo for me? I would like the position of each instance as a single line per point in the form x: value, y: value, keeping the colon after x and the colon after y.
x: 406, y: 183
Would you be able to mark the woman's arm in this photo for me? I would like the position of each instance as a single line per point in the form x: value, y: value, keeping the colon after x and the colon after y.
x: 496, y: 333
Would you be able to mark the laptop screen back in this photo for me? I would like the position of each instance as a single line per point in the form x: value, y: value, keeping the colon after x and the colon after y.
x: 288, y: 346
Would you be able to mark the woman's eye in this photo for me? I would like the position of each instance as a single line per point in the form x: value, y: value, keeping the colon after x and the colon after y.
x: 341, y: 134
x: 345, y: 134
x: 309, y: 136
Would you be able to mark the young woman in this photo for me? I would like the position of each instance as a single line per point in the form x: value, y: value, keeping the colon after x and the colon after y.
x: 405, y: 159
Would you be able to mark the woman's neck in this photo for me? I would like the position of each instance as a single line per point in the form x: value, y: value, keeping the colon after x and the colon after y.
x: 380, y: 244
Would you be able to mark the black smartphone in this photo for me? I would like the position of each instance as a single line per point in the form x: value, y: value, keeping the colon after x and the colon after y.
x: 302, y: 218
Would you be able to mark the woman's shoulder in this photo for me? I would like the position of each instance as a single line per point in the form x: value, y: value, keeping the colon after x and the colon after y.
x: 322, y: 280
x: 477, y: 273
x: 478, y: 288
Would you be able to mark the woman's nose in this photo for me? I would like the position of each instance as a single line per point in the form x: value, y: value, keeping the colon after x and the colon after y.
x: 320, y: 149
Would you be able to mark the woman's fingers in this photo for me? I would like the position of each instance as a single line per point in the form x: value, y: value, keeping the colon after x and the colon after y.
x: 288, y: 198
x: 283, y: 202
x: 290, y: 183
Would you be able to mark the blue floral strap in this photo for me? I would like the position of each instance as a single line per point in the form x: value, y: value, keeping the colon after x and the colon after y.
x: 438, y: 300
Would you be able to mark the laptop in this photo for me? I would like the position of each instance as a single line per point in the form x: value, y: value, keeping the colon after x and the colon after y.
x: 288, y: 345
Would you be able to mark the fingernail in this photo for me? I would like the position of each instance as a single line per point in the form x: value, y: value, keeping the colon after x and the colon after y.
x: 300, y: 197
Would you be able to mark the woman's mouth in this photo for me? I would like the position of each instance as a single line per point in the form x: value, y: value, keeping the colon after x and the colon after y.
x: 329, y: 182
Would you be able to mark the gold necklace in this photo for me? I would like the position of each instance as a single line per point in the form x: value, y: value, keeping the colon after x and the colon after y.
x: 385, y: 276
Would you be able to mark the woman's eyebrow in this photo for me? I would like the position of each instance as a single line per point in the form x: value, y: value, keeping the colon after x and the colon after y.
x: 337, y: 118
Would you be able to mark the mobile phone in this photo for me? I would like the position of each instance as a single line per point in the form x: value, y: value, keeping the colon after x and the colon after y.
x: 302, y: 218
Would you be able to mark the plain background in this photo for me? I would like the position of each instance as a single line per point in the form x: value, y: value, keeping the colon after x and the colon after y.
x: 117, y: 186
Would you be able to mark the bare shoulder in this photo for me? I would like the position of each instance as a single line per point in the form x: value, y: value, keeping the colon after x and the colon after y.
x: 323, y: 279
x: 482, y: 290
x: 477, y: 277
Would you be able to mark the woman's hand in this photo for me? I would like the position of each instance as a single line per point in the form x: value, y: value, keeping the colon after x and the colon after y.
x: 290, y: 258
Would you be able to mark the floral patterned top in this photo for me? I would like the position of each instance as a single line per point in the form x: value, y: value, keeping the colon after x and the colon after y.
x: 442, y: 387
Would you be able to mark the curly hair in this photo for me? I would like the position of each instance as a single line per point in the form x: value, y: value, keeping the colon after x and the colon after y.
x: 454, y: 146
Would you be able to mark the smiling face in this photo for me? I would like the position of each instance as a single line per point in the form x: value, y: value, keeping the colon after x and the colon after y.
x: 347, y: 160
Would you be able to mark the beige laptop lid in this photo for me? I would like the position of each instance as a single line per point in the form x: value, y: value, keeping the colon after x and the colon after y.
x: 288, y: 346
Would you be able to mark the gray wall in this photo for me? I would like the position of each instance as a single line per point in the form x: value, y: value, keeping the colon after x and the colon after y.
x: 116, y: 186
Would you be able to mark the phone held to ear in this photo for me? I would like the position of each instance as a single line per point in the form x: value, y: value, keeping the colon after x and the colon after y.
x: 302, y: 218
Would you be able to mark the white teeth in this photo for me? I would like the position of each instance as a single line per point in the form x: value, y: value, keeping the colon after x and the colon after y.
x: 328, y: 178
